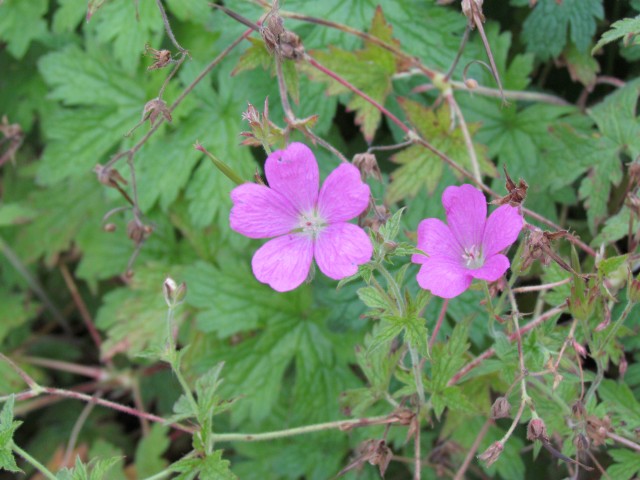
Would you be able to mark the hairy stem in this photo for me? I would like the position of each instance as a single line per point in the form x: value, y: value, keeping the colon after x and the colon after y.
x: 35, y: 463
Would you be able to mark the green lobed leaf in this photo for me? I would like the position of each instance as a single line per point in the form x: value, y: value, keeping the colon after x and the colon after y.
x: 7, y: 428
x: 627, y: 28
x: 148, y: 458
x: 369, y: 69
x: 547, y: 27
x: 627, y: 464
x: 21, y: 23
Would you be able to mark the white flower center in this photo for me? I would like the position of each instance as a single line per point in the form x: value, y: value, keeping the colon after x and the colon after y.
x: 311, y: 223
x: 473, y: 257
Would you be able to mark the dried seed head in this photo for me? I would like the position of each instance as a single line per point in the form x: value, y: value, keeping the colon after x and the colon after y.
x: 516, y: 194
x: 380, y: 216
x: 491, y: 454
x: 501, y: 408
x: 368, y: 166
x: 537, y: 430
x: 278, y: 40
x: 154, y: 108
x: 161, y: 58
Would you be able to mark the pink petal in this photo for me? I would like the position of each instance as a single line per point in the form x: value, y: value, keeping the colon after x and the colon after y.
x: 343, y: 195
x: 466, y: 210
x: 283, y: 262
x: 260, y: 212
x: 436, y: 240
x: 501, y: 230
x: 340, y: 248
x: 293, y: 172
x: 493, y: 268
x: 443, y: 277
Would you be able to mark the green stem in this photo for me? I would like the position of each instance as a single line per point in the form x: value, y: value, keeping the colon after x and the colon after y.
x: 175, y: 363
x: 38, y: 466
x: 340, y: 424
x: 617, y: 324
x: 393, y: 285
x: 417, y: 373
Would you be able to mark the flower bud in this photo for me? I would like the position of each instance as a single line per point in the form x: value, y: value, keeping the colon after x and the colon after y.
x: 491, y: 454
x: 622, y: 368
x: 537, y: 430
x: 579, y: 349
x: 109, y: 227
x: 633, y: 291
x: 174, y: 294
x: 471, y: 83
x: 136, y: 231
x: 501, y: 408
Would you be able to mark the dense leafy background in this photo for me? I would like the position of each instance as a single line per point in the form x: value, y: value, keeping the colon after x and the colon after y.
x: 76, y: 87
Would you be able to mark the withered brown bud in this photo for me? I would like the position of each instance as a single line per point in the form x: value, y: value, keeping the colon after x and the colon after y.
x: 109, y: 227
x: 161, y: 58
x: 136, y: 231
x: 404, y: 416
x: 516, y: 194
x: 501, y: 408
x: 578, y: 410
x: 14, y: 135
x: 581, y: 442
x: 471, y: 9
x: 284, y: 43
x: 368, y: 166
x: 154, y: 108
x: 537, y: 430
x: 376, y: 452
x: 491, y: 454
x: 109, y: 176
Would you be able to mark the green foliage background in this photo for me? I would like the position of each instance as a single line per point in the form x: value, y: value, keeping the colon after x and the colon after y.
x: 76, y: 87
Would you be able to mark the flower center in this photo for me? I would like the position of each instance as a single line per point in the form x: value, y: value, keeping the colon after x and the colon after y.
x: 473, y: 257
x: 311, y: 223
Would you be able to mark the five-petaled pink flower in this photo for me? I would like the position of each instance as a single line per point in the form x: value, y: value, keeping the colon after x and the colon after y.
x: 305, y: 222
x: 469, y: 247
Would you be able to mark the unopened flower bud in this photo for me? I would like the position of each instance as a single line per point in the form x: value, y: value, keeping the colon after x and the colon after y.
x: 174, y: 294
x: 491, y: 454
x: 537, y: 430
x: 501, y: 408
x: 471, y: 83
x: 581, y: 442
x: 109, y: 227
x: 622, y: 368
x: 579, y: 349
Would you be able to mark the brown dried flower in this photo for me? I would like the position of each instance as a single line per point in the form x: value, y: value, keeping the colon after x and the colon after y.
x: 161, y: 58
x: 597, y: 429
x: 538, y: 247
x: 368, y: 165
x: 491, y: 454
x: 154, y: 108
x: 109, y: 176
x: 516, y: 193
x: 581, y: 442
x: 14, y: 135
x: 471, y: 9
x: 278, y: 40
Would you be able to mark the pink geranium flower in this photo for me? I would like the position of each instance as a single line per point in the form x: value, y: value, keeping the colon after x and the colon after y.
x: 307, y: 224
x: 469, y: 247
